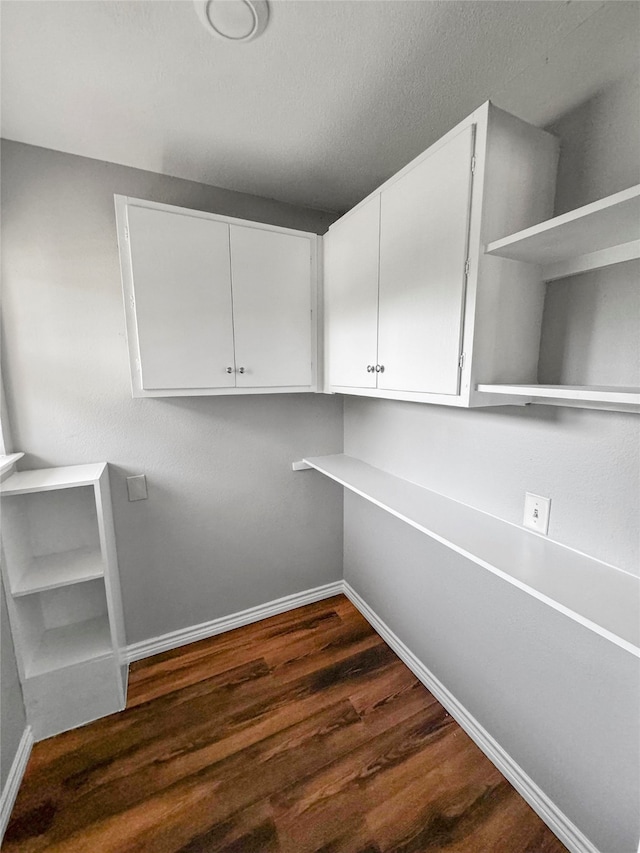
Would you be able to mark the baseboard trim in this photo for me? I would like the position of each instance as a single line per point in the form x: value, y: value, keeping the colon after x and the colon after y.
x: 18, y: 767
x: 174, y: 639
x: 555, y: 819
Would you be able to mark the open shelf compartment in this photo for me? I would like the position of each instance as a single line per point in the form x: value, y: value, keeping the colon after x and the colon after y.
x: 71, y: 644
x: 51, y: 571
x: 600, y: 597
x: 51, y: 539
x: 62, y: 627
x: 594, y: 236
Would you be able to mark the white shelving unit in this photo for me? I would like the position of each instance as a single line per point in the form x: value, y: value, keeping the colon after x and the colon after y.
x: 599, y: 596
x: 63, y: 594
x: 595, y: 236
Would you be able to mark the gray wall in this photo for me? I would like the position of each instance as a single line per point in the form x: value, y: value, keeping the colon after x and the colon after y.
x: 227, y: 524
x: 564, y: 703
x: 12, y: 715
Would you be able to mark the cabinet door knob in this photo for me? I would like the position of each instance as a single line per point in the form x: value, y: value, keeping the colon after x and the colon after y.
x: 370, y: 368
x: 229, y: 369
x: 241, y: 370
x: 379, y: 368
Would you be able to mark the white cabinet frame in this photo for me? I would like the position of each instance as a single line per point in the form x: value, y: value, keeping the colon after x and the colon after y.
x: 315, y: 315
x: 514, y: 166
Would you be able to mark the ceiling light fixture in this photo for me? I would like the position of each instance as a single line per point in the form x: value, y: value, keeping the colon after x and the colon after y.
x: 234, y: 20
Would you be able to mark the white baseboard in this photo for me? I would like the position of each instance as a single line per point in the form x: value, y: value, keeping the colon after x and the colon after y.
x: 555, y: 819
x: 154, y: 646
x: 18, y: 767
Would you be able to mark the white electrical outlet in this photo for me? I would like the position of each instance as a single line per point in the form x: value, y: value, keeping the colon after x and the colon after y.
x: 536, y: 513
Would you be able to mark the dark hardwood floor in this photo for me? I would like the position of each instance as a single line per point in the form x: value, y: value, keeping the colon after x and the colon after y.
x: 303, y: 733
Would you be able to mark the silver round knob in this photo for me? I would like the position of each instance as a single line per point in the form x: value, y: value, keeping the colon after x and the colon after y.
x: 370, y: 368
x: 241, y: 370
x: 379, y: 368
x: 229, y: 369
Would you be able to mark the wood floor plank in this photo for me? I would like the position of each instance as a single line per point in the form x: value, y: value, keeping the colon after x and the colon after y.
x: 272, y: 707
x: 300, y: 734
x: 313, y: 813
x: 208, y: 699
x: 206, y: 657
x: 241, y: 642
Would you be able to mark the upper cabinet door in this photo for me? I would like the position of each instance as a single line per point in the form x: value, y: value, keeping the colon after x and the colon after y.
x: 271, y: 283
x: 424, y: 226
x: 351, y: 294
x: 182, y: 288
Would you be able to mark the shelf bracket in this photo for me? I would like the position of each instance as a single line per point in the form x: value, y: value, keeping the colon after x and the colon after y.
x: 301, y: 466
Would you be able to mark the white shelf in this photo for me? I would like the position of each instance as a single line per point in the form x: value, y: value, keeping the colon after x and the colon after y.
x: 6, y: 462
x: 56, y: 570
x: 600, y: 597
x: 48, y: 479
x: 597, y: 235
x: 71, y: 644
x: 626, y: 398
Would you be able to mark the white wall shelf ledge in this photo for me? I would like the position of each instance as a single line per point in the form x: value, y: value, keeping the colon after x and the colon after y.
x: 598, y: 596
x: 619, y: 398
x: 597, y: 235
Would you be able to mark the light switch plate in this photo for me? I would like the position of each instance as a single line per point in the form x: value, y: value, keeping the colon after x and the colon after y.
x: 137, y: 487
x: 536, y: 513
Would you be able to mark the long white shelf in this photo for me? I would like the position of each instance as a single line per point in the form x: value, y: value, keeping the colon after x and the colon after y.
x: 594, y: 236
x: 70, y: 644
x: 47, y: 479
x: 56, y: 570
x: 625, y: 398
x: 601, y: 597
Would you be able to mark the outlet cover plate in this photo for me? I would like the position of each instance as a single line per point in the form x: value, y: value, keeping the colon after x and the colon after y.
x: 536, y: 513
x: 137, y: 487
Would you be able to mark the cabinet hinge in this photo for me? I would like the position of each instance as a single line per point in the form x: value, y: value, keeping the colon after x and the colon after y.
x: 138, y: 366
x: 132, y: 302
x: 461, y: 361
x: 473, y: 164
x: 466, y: 267
x: 126, y: 233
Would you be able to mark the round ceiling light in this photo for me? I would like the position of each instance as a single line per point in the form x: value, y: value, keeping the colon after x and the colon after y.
x: 234, y: 20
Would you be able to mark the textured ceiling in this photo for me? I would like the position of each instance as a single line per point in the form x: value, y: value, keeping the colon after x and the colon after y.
x: 333, y: 98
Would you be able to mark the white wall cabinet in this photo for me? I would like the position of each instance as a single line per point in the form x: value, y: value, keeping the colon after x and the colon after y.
x: 216, y: 305
x: 60, y: 571
x: 406, y: 278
